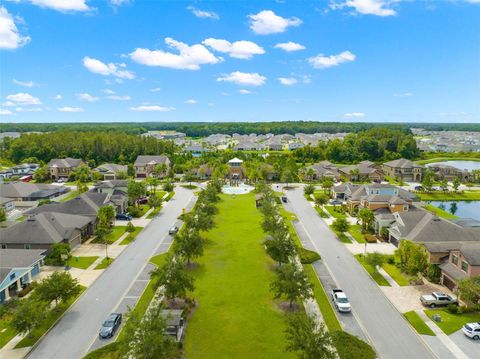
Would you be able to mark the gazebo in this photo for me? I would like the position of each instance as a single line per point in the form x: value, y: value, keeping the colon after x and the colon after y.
x: 235, y: 171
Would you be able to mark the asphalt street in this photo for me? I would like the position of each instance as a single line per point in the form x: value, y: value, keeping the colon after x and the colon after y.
x: 78, y: 329
x: 389, y: 332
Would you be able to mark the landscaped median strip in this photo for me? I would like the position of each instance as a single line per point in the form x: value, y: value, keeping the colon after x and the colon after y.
x: 417, y: 322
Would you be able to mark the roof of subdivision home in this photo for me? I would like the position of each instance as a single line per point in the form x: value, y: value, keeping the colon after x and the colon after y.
x: 112, y: 184
x: 471, y: 252
x: 452, y: 271
x: 144, y: 160
x: 19, y: 258
x: 402, y: 163
x: 43, y: 228
x: 111, y: 167
x: 20, y: 189
x: 64, y: 162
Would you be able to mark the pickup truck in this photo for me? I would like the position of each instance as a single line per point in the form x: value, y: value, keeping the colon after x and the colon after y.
x: 438, y: 299
x: 340, y: 301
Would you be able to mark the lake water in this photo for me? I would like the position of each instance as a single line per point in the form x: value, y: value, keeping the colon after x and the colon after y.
x: 463, y: 165
x: 463, y: 209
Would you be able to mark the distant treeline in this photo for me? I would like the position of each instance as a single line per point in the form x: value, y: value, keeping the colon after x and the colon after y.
x: 94, y: 147
x: 200, y: 129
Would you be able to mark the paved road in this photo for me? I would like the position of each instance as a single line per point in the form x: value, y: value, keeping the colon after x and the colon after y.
x: 78, y: 329
x: 388, y: 331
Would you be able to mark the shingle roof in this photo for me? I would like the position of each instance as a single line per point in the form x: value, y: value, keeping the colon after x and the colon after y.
x: 111, y: 167
x: 64, y: 162
x: 471, y: 252
x: 25, y: 189
x: 19, y: 258
x: 402, y: 163
x: 144, y: 160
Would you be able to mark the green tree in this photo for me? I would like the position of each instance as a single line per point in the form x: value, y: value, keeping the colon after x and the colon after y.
x: 174, y: 278
x: 413, y: 257
x: 57, y: 286
x: 155, y: 201
x: 59, y: 254
x: 308, y: 338
x: 375, y: 259
x: 83, y: 174
x: 280, y: 249
x: 135, y: 190
x: 427, y: 181
x: 3, y: 214
x: 444, y: 185
x: 469, y: 289
x: 160, y: 170
x: 456, y: 183
x: 28, y: 315
x: 130, y: 227
x: 81, y: 186
x: 106, y: 215
x: 309, y: 189
x: 367, y: 216
x: 189, y: 244
x: 291, y: 283
x: 287, y: 176
x: 145, y: 336
x: 130, y: 171
x: 41, y: 175
x: 153, y: 182
x: 168, y: 186
x: 189, y: 177
x: 341, y: 225
x: 321, y: 199
x: 327, y: 185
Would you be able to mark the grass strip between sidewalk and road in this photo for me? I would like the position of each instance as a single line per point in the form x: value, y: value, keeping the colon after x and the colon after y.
x: 377, y: 277
x: 417, y: 322
x: 104, y: 263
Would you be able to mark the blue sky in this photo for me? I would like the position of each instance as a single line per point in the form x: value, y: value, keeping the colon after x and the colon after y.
x: 339, y: 60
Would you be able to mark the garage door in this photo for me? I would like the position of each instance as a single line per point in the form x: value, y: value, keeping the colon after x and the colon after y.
x: 447, y: 282
x: 75, y: 242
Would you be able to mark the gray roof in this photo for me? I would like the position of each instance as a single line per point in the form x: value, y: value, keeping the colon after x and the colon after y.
x: 44, y: 228
x: 25, y: 189
x: 466, y: 222
x: 471, y: 252
x: 65, y: 162
x: 173, y: 316
x: 452, y: 271
x: 112, y: 184
x: 19, y: 258
x: 145, y: 160
x: 111, y: 167
x: 402, y: 163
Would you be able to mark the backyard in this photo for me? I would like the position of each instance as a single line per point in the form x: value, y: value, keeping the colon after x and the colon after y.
x: 236, y: 316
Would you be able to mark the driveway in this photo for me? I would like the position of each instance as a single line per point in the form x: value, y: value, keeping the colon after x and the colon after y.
x: 75, y: 333
x: 386, y: 328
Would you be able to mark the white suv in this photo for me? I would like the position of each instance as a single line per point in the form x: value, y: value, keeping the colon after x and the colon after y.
x: 472, y: 330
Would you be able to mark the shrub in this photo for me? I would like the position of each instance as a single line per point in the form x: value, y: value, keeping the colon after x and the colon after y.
x: 135, y: 211
x: 307, y: 256
x: 27, y: 289
x: 130, y: 227
x: 391, y: 260
x: 433, y: 273
x: 452, y: 309
x: 349, y: 346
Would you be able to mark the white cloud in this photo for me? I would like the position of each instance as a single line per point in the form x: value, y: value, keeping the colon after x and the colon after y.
x: 119, y: 2
x: 24, y: 83
x: 28, y: 109
x: 110, y: 69
x: 86, y: 97
x: 453, y: 114
x: 119, y: 98
x: 70, y: 109
x: 367, y: 7
x: 289, y: 46
x: 10, y: 37
x: 156, y: 89
x: 5, y: 112
x: 354, y: 115
x: 188, y: 58
x: 267, y: 22
x: 244, y: 92
x: 22, y: 99
x: 63, y: 5
x: 323, y: 62
x: 191, y: 101
x: 243, y: 78
x: 57, y: 97
x: 108, y: 91
x: 203, y: 14
x: 287, y: 81
x: 403, y: 94
x: 239, y: 49
x: 151, y: 108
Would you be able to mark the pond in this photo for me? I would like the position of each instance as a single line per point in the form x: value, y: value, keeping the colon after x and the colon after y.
x: 242, y: 188
x: 462, y: 209
x: 463, y: 165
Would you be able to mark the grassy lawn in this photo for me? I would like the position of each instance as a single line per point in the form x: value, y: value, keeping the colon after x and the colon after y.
x: 334, y: 214
x: 113, y: 236
x: 356, y: 232
x: 82, y: 262
x: 104, y: 263
x: 142, y: 209
x: 439, y: 212
x: 321, y: 212
x: 452, y: 322
x: 236, y: 316
x: 52, y: 316
x: 377, y: 277
x: 450, y: 196
x: 401, y: 278
x: 6, y: 331
x: 417, y: 322
x: 69, y: 196
x: 154, y: 212
x: 131, y: 236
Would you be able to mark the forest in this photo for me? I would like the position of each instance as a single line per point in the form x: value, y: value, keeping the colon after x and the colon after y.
x: 202, y: 129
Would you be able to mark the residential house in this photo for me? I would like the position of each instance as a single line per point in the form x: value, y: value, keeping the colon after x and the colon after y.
x: 404, y: 169
x: 196, y: 150
x: 462, y: 263
x: 363, y: 171
x: 24, y: 169
x: 43, y: 230
x: 18, y: 268
x: 295, y: 145
x: 145, y: 165
x: 110, y: 171
x: 450, y: 173
x: 25, y: 191
x: 62, y: 167
x: 321, y: 170
x: 203, y: 172
x: 118, y: 192
x: 8, y: 204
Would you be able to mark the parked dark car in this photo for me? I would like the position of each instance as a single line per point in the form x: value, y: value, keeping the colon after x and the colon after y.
x: 336, y: 202
x: 110, y: 325
x: 143, y: 200
x: 418, y: 188
x: 284, y: 199
x: 124, y: 217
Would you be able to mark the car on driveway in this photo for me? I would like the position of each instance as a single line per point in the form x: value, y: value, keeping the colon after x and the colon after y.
x: 284, y: 199
x: 340, y: 301
x: 124, y: 217
x: 472, y: 330
x: 143, y: 200
x: 336, y: 202
x: 110, y: 325
x: 173, y: 230
x: 438, y: 299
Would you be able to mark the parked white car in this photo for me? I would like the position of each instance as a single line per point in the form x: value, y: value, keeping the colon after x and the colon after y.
x: 472, y: 330
x: 340, y: 301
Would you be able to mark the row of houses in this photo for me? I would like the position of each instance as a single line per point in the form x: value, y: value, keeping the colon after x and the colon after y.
x: 452, y: 245
x: 21, y: 171
x: 401, y: 169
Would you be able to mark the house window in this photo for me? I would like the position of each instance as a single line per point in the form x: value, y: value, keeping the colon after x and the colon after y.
x: 455, y: 259
x: 12, y: 276
x: 464, y: 266
x: 4, y: 246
